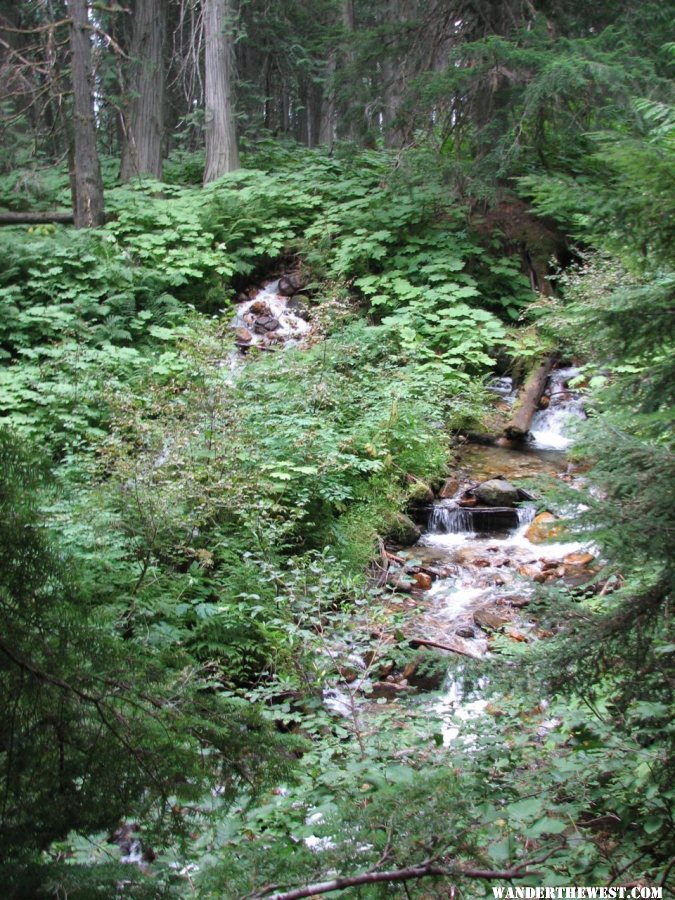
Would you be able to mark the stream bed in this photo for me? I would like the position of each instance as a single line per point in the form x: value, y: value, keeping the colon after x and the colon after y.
x: 486, y: 567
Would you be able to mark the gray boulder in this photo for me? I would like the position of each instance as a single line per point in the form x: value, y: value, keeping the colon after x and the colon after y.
x: 496, y: 492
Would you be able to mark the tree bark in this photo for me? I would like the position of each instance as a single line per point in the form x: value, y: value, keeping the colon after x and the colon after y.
x: 526, y: 405
x: 328, y: 114
x: 144, y: 125
x: 88, y: 205
x: 221, y: 139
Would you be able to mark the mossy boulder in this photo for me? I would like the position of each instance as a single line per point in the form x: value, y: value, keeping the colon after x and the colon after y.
x: 401, y: 529
x: 420, y: 494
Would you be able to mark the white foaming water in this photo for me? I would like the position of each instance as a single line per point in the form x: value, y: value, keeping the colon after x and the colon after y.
x: 503, y: 387
x: 453, y: 710
x: 291, y: 326
x: 448, y: 518
x: 549, y: 429
x: 457, y: 598
x: 135, y: 854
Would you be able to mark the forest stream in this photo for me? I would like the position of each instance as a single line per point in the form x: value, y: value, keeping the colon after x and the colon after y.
x: 486, y: 563
x: 485, y: 560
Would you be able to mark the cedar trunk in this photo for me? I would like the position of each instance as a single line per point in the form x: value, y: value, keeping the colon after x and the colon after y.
x: 221, y: 138
x: 87, y: 182
x: 144, y: 125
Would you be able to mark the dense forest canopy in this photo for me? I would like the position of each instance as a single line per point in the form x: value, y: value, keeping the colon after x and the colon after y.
x: 203, y: 502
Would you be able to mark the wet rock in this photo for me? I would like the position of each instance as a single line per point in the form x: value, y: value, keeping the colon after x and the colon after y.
x: 577, y: 577
x: 491, y: 619
x: 533, y: 573
x: 441, y: 571
x: 427, y: 673
x: 449, y: 489
x: 290, y: 284
x: 297, y: 306
x: 516, y: 635
x: 402, y: 530
x: 264, y: 324
x: 482, y: 563
x: 399, y: 581
x: 385, y: 670
x: 579, y: 559
x: 466, y: 632
x: 243, y: 335
x: 348, y: 675
x: 554, y: 574
x: 496, y: 492
x: 519, y: 601
x: 241, y: 297
x: 525, y: 495
x: 260, y: 308
x: 467, y: 501
x: 544, y: 527
x: 388, y: 690
x: 423, y: 581
x: 420, y: 493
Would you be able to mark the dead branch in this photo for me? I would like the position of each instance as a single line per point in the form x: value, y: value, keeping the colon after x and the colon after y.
x: 424, y: 870
x: 415, y: 643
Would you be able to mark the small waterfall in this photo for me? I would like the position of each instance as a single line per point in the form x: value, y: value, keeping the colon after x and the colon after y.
x: 503, y: 387
x: 549, y: 426
x: 447, y: 519
x: 526, y: 515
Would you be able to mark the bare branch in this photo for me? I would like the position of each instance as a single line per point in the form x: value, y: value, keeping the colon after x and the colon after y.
x: 424, y: 870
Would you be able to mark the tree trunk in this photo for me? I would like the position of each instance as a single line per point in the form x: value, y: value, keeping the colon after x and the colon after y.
x: 328, y: 112
x: 221, y: 138
x: 88, y: 184
x: 347, y: 117
x: 142, y: 148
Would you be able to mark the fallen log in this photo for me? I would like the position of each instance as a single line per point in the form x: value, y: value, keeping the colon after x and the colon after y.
x: 415, y: 643
x: 57, y: 216
x: 427, y: 869
x: 518, y: 427
x: 486, y: 439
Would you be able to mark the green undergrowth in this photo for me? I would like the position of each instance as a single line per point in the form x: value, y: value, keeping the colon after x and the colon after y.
x: 101, y: 305
x: 194, y: 571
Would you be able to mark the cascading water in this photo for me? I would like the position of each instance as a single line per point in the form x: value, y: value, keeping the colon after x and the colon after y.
x: 487, y: 562
x: 495, y: 570
x: 550, y: 427
x: 267, y: 318
x: 448, y: 518
x: 267, y: 321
